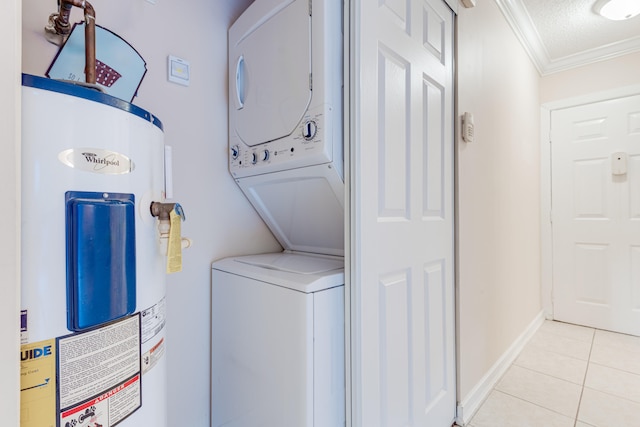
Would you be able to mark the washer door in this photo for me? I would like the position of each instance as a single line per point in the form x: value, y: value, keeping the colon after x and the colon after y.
x: 269, y: 70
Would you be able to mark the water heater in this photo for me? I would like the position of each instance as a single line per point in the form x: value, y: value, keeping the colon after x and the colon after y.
x: 93, y: 277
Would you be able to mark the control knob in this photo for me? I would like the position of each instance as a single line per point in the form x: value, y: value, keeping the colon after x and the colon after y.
x: 309, y: 130
x: 235, y: 152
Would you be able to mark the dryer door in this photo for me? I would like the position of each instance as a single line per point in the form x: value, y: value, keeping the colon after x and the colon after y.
x: 269, y: 70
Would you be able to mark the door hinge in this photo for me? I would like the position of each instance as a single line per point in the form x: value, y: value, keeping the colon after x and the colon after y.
x: 310, y: 81
x: 310, y: 8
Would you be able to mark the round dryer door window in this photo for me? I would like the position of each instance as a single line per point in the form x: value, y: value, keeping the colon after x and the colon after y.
x: 270, y: 71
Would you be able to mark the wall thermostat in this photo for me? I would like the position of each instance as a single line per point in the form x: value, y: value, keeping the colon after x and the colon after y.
x: 178, y: 70
x: 467, y: 127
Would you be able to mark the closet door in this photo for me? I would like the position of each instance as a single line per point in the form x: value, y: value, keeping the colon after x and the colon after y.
x: 402, y: 214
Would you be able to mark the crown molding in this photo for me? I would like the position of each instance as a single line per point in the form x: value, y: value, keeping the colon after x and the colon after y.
x: 520, y: 22
x: 591, y: 56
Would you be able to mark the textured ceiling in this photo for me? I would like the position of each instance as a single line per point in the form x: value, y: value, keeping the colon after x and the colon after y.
x: 562, y: 34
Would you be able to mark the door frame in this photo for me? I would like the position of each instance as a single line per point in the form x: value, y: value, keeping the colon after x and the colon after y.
x: 11, y: 129
x: 546, y: 229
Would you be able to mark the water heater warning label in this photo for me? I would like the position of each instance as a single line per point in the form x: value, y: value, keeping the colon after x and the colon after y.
x: 107, y: 409
x: 99, y: 375
x: 38, y: 384
x: 153, y: 320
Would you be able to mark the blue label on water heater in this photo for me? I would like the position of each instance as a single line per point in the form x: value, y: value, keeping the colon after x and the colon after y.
x: 101, y: 261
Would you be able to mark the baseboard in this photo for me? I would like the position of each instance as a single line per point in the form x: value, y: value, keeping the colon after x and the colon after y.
x: 470, y: 404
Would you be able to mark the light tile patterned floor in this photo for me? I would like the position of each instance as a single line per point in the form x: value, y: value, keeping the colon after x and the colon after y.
x: 568, y: 376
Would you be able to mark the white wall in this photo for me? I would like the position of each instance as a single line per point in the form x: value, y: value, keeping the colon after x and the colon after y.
x: 498, y: 193
x: 598, y: 77
x: 219, y: 219
x: 10, y: 224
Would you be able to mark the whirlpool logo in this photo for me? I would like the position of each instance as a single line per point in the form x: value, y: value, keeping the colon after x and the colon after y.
x: 96, y: 160
x: 101, y: 162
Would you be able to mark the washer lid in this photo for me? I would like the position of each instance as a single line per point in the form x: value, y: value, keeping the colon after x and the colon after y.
x: 305, y: 273
x: 293, y: 263
x: 269, y: 70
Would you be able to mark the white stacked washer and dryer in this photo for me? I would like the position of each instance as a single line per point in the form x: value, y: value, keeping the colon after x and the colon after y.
x: 278, y: 318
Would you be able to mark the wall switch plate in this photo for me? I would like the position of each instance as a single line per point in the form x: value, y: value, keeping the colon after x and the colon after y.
x: 178, y: 70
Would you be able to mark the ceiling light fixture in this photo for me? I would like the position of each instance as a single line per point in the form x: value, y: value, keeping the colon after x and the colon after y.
x: 617, y: 10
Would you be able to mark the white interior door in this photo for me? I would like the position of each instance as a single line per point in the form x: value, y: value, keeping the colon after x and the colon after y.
x: 596, y: 214
x: 402, y: 300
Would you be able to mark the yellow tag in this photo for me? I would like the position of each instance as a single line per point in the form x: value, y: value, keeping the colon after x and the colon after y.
x: 174, y: 249
x: 38, y: 384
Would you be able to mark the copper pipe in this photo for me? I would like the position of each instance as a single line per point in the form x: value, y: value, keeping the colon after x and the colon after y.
x: 90, y: 43
x: 62, y: 27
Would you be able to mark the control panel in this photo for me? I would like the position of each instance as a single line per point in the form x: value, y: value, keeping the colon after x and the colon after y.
x: 307, y: 145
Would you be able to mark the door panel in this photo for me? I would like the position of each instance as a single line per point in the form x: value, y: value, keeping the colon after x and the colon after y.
x: 402, y: 215
x: 434, y: 182
x: 634, y: 189
x: 394, y: 347
x: 596, y: 227
x: 393, y: 140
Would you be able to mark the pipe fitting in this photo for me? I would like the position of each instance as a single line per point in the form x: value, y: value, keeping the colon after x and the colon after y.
x: 162, y: 210
x: 59, y: 26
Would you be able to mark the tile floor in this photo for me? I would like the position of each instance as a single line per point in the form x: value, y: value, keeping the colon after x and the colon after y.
x: 568, y: 376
